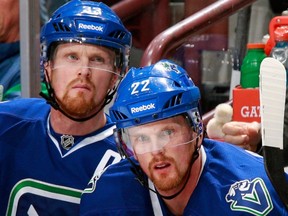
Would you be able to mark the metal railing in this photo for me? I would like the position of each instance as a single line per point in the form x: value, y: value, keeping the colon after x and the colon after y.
x: 176, y: 35
x: 173, y: 37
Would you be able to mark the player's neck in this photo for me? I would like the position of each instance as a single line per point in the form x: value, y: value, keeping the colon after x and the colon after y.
x: 64, y: 125
x: 178, y: 204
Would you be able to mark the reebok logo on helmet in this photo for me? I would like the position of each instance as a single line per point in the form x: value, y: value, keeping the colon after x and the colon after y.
x: 141, y: 107
x: 90, y: 26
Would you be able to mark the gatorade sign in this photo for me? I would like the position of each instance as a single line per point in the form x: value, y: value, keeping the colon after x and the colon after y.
x: 246, y: 104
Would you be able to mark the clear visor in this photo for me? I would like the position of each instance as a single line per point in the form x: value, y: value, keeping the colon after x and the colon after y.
x: 91, y: 68
x: 76, y: 55
x: 156, y: 137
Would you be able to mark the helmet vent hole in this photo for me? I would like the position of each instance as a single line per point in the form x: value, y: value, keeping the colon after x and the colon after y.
x: 177, y: 84
x: 55, y: 27
x: 117, y: 34
x: 61, y: 27
x: 119, y: 115
x: 174, y: 101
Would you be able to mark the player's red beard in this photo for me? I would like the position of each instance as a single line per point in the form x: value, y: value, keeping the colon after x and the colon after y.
x: 169, y: 181
x: 78, y: 105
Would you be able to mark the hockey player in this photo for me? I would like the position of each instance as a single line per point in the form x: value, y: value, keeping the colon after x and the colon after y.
x: 179, y: 172
x: 49, y: 153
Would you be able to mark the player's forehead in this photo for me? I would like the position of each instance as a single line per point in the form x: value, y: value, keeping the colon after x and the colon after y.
x: 175, y: 122
x: 80, y: 47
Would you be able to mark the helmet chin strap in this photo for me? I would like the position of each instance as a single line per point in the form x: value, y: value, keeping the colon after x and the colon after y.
x: 140, y: 176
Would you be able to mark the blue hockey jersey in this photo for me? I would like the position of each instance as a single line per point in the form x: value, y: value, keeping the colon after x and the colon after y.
x: 232, y: 182
x: 37, y: 175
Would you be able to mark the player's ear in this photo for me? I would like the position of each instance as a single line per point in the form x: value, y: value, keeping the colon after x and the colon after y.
x: 47, y: 70
x: 115, y: 78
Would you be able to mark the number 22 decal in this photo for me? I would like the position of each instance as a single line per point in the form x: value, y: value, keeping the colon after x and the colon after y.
x: 140, y: 87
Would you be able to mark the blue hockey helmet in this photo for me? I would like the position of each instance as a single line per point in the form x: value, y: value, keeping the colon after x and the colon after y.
x: 153, y: 93
x: 87, y: 22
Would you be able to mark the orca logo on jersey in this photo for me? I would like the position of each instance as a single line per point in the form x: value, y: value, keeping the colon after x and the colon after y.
x: 92, y: 183
x: 250, y: 196
x: 110, y: 157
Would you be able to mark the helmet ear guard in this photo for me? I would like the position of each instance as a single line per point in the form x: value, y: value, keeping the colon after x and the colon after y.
x: 122, y: 147
x: 197, y: 124
x: 196, y: 120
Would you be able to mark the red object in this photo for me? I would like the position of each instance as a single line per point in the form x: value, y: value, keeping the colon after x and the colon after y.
x: 246, y: 104
x: 255, y: 46
x: 278, y: 31
x: 268, y: 47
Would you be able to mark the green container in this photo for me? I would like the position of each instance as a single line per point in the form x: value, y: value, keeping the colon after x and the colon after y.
x: 250, y: 67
